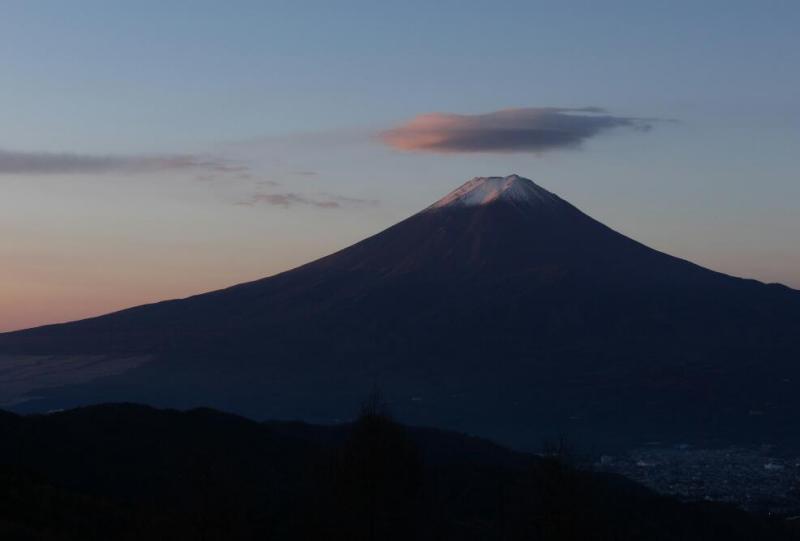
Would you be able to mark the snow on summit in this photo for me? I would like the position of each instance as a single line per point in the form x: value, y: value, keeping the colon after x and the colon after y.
x: 485, y: 190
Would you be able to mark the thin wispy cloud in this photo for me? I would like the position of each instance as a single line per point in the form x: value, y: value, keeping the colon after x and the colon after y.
x: 323, y: 201
x: 530, y: 129
x: 51, y: 163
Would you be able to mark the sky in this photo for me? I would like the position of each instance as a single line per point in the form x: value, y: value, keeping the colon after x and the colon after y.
x: 153, y: 150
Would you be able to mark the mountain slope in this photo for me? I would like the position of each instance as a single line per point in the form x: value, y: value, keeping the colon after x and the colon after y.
x: 500, y: 309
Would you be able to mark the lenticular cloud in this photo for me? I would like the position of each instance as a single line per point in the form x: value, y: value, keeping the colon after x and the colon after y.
x: 530, y: 129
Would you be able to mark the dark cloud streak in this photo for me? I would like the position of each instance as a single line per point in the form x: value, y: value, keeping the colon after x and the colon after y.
x: 325, y: 201
x: 51, y: 163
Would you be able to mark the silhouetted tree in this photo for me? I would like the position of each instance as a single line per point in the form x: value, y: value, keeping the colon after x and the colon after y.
x: 376, y: 480
x: 554, y: 500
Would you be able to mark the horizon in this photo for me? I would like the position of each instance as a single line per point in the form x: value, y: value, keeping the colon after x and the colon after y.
x: 333, y: 250
x: 149, y: 158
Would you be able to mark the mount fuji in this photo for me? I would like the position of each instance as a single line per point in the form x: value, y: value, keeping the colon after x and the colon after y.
x: 500, y: 310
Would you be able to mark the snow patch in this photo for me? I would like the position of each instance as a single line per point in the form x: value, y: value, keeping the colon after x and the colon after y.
x: 485, y: 190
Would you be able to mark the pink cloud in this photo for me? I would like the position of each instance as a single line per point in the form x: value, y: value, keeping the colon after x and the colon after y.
x: 531, y: 129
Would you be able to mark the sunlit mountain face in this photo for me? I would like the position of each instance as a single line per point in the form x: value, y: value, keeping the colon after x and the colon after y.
x: 500, y: 310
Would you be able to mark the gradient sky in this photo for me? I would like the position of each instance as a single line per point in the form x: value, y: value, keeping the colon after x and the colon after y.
x: 152, y: 150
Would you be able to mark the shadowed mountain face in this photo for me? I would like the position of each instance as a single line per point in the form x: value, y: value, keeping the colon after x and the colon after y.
x: 500, y: 310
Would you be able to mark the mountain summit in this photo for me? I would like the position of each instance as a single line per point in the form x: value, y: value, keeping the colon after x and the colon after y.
x: 500, y: 310
x: 486, y: 190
